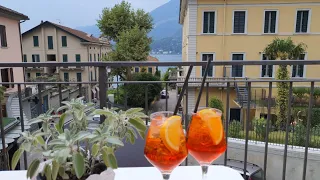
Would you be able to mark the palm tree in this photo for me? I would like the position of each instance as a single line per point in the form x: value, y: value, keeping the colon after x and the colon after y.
x: 283, y: 49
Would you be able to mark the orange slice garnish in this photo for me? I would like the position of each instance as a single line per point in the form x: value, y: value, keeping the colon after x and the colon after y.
x: 170, y: 133
x: 214, y: 123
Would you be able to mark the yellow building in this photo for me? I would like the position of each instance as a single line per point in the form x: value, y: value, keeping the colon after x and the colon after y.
x: 150, y: 69
x: 233, y: 30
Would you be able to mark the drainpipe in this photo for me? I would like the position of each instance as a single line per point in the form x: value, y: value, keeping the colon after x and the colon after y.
x: 24, y: 74
x: 88, y: 69
x: 224, y: 29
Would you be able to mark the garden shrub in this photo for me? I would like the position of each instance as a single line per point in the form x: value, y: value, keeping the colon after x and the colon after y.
x: 299, y: 135
x: 260, y: 127
x: 216, y: 103
x: 300, y: 92
x: 235, y: 128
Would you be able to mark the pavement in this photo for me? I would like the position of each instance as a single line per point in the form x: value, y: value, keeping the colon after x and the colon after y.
x: 161, y: 104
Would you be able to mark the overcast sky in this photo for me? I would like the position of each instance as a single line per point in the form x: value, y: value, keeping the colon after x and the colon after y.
x: 72, y: 13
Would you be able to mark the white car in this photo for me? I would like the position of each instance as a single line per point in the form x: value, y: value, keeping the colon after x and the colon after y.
x: 96, y: 118
x: 164, y: 94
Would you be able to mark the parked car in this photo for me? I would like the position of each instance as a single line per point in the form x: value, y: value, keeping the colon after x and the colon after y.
x: 254, y: 172
x: 164, y: 94
x: 96, y: 118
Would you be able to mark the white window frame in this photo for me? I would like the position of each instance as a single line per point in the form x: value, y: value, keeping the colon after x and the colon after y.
x: 243, y: 67
x: 213, y: 67
x: 246, y: 19
x: 273, y: 69
x: 277, y: 20
x: 304, y: 67
x: 215, y: 21
x: 309, y: 21
x: 134, y: 70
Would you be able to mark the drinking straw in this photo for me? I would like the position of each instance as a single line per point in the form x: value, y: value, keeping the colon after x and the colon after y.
x: 183, y: 90
x: 202, y: 85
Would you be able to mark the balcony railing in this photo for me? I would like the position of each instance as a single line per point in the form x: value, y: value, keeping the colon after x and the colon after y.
x: 245, y: 141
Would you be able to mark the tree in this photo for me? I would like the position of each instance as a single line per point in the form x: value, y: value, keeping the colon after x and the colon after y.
x: 121, y: 18
x: 133, y: 45
x: 283, y: 49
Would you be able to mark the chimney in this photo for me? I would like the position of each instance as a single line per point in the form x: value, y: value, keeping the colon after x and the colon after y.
x: 41, y: 21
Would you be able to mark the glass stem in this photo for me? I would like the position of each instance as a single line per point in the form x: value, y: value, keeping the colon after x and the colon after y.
x: 204, y: 171
x: 166, y: 176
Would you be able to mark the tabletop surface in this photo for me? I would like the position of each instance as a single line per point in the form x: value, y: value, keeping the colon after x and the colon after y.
x: 147, y: 173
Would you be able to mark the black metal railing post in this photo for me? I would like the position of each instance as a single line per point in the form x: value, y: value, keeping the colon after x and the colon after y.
x: 60, y: 94
x: 267, y: 131
x: 308, y: 132
x: 207, y: 95
x: 80, y: 89
x: 247, y: 129
x: 284, y: 168
x: 39, y: 104
x: 146, y: 108
x: 25, y: 161
x: 186, y: 124
x: 167, y: 93
x: 227, y: 122
x: 103, y: 89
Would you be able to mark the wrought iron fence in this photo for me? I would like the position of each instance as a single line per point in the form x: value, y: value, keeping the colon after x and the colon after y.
x: 262, y: 132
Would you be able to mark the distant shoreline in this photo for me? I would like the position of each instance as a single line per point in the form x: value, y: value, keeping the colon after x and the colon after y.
x: 164, y: 54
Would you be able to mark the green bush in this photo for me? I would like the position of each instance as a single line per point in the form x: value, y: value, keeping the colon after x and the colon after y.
x: 300, y: 92
x: 316, y: 93
x: 260, y: 127
x: 299, y: 135
x: 136, y: 92
x: 216, y: 103
x: 235, y: 128
x: 118, y: 95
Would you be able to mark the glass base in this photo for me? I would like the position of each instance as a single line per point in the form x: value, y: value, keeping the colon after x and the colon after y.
x: 204, y: 171
x: 166, y: 176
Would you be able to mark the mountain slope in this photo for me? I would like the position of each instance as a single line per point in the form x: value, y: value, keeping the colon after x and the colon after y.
x: 167, y: 31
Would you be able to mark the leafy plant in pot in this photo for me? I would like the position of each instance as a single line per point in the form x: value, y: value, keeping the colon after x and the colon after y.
x: 77, y: 152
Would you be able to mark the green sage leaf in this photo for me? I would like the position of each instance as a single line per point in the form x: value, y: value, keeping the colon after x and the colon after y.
x: 112, y: 161
x: 33, y: 168
x: 95, y: 149
x: 115, y: 140
x: 138, y: 124
x: 55, y: 169
x: 15, y: 158
x: 40, y: 140
x: 48, y: 171
x: 78, y: 164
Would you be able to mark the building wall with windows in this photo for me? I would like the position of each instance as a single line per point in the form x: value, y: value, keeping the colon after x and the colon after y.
x: 240, y: 30
x: 49, y: 42
x: 10, y: 51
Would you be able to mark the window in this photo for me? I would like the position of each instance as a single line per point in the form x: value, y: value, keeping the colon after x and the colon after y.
x: 95, y: 74
x: 298, y: 70
x: 65, y: 57
x: 94, y: 57
x: 25, y: 58
x: 98, y: 57
x: 239, y: 22
x: 50, y: 42
x: 302, y: 21
x: 38, y: 74
x: 79, y: 77
x: 90, y: 75
x: 78, y: 58
x: 35, y: 58
x: 136, y: 69
x: 270, y: 21
x: 66, y: 77
x: 28, y: 75
x: 237, y: 70
x: 64, y: 41
x: 3, y: 36
x: 90, y: 57
x: 206, y: 57
x: 266, y: 70
x: 149, y: 69
x: 209, y: 22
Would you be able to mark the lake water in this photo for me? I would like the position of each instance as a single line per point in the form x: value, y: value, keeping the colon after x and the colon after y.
x: 167, y: 58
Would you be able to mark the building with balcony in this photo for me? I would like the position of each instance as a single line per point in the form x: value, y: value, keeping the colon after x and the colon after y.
x: 232, y: 30
x: 150, y: 69
x: 50, y: 42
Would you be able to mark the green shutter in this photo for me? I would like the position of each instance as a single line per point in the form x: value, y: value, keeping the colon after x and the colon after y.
x: 25, y: 58
x: 79, y: 77
x: 66, y: 77
x: 64, y: 41
x: 78, y: 58
x: 35, y: 41
x: 50, y: 42
x: 94, y: 57
x: 38, y: 74
x: 65, y: 57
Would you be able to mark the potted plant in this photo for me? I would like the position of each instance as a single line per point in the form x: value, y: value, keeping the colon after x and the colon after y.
x: 77, y: 152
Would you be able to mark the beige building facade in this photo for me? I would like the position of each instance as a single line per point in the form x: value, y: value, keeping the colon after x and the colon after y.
x: 233, y: 30
x: 50, y: 42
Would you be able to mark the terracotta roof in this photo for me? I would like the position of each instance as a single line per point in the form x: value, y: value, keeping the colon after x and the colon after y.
x: 80, y: 34
x: 11, y: 12
x: 152, y: 59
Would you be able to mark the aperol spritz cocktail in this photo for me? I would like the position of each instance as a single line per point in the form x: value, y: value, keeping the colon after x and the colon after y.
x: 166, y: 142
x: 206, y: 138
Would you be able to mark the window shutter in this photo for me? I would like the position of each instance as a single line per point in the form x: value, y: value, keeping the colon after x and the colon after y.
x: 305, y: 17
x: 205, y: 22
x: 33, y: 58
x: 64, y: 41
x: 50, y: 42
x: 3, y: 36
x: 298, y: 22
x: 38, y: 58
x: 237, y: 69
x: 294, y: 71
x: 25, y: 58
x: 65, y: 58
x: 35, y: 41
x: 266, y: 22
x: 273, y: 21
x: 78, y: 58
x: 270, y: 70
x: 239, y: 22
x: 212, y: 19
x: 263, y: 72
